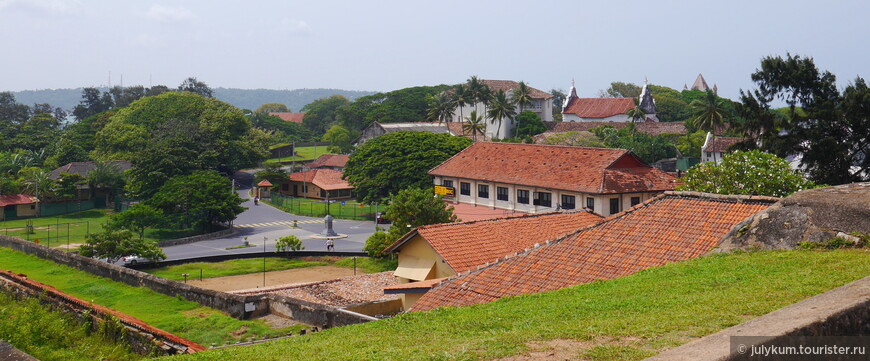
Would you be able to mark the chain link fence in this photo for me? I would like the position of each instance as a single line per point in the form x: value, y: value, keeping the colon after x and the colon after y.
x: 317, y: 208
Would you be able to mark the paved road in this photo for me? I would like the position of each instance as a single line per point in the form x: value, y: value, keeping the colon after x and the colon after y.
x: 263, y: 220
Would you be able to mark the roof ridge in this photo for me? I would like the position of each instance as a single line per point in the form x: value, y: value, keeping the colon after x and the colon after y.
x: 738, y: 198
x: 522, y: 216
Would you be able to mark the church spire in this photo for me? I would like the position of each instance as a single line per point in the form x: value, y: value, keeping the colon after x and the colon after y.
x: 647, y: 103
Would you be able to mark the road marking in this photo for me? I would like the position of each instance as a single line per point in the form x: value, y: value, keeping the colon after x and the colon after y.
x: 273, y: 224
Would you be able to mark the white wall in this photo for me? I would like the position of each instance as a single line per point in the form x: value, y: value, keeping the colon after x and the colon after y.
x: 615, y: 118
x: 545, y: 111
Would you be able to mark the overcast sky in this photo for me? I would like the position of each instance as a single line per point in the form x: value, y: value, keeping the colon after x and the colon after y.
x: 382, y: 46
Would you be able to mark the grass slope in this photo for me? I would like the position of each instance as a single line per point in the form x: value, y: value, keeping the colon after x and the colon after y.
x: 51, y: 335
x: 187, y: 319
x: 624, y: 319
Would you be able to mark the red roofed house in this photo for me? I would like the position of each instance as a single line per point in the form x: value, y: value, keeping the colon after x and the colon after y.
x: 329, y: 161
x: 534, y: 178
x: 542, y: 104
x: 289, y: 117
x: 715, y: 147
x: 443, y: 250
x: 263, y: 189
x: 673, y: 227
x: 317, y: 184
x: 17, y: 205
x: 578, y: 109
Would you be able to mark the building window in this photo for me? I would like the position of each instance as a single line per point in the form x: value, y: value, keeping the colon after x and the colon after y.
x: 635, y: 201
x: 501, y: 193
x: 447, y: 183
x: 465, y: 188
x: 568, y: 202
x: 709, y: 155
x: 614, y: 205
x: 590, y: 203
x: 483, y: 191
x: 543, y: 199
x: 522, y: 196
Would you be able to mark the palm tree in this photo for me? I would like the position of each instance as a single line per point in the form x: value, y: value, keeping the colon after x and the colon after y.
x: 479, y: 92
x: 635, y: 114
x: 522, y: 96
x: 38, y: 183
x: 441, y: 108
x: 461, y: 97
x: 105, y: 175
x: 473, y: 124
x: 709, y: 114
x: 501, y: 108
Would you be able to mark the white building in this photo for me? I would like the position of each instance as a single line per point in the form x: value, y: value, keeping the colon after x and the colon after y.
x: 715, y: 147
x: 578, y: 109
x: 542, y: 104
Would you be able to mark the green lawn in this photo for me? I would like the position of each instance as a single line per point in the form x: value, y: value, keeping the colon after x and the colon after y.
x: 255, y: 265
x: 624, y: 319
x: 51, y: 335
x: 73, y: 227
x: 304, y: 154
x: 316, y: 208
x: 187, y: 319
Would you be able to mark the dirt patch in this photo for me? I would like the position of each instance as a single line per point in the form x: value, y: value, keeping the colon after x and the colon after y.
x: 275, y: 278
x: 69, y: 246
x: 237, y: 334
x: 278, y: 322
x: 558, y: 349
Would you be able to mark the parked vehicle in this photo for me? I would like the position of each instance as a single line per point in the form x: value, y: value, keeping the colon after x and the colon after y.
x: 134, y: 260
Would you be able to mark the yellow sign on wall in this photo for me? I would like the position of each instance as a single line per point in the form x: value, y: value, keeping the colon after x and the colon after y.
x: 445, y: 191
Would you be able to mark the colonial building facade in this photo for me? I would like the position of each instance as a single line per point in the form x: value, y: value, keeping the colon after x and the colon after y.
x: 542, y: 105
x: 578, y: 109
x: 531, y: 178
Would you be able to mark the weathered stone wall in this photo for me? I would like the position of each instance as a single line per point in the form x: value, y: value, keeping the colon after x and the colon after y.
x: 813, y: 215
x: 314, y: 313
x: 192, y: 239
x: 241, y: 307
x: 389, y: 307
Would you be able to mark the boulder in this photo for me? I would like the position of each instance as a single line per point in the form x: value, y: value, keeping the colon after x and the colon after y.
x: 813, y: 215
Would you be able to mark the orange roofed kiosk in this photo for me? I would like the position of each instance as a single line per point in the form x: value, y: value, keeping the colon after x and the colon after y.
x: 320, y: 183
x: 534, y: 178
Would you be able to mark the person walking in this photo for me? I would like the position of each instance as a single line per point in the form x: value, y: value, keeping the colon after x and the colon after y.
x: 330, y: 245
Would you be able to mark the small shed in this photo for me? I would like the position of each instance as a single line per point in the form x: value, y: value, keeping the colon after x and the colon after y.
x: 263, y: 189
x: 17, y: 205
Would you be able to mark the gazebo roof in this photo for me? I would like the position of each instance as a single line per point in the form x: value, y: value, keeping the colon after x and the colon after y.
x: 264, y: 183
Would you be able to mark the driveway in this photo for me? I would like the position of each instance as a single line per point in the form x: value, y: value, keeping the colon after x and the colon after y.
x: 266, y: 222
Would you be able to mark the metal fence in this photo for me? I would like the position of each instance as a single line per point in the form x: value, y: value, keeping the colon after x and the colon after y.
x: 53, y: 209
x: 316, y: 208
x: 52, y: 234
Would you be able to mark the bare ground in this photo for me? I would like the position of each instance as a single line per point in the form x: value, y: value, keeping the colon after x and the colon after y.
x: 275, y: 278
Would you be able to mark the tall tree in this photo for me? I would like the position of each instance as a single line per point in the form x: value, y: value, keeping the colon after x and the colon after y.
x: 322, y: 113
x: 199, y: 199
x: 709, y: 113
x: 474, y: 125
x: 195, y: 86
x: 522, y: 97
x: 461, y: 97
x: 339, y: 139
x: 559, y: 97
x: 441, y: 108
x: 272, y: 108
x: 93, y: 102
x: 635, y: 114
x: 478, y: 92
x: 619, y: 89
x: 501, y: 108
x: 114, y: 244
x: 106, y: 176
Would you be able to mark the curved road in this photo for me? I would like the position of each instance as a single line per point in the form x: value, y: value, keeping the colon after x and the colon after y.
x: 264, y: 221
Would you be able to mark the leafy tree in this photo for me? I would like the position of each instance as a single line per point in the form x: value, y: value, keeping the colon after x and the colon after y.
x: 395, y: 161
x: 339, y: 139
x: 289, y: 243
x: 272, y: 108
x: 559, y: 97
x: 619, y: 89
x: 403, y: 105
x: 574, y: 138
x: 831, y: 131
x: 690, y: 145
x: 672, y: 108
x: 138, y: 218
x: 93, y: 102
x: 65, y: 150
x: 753, y: 172
x: 123, y: 96
x: 635, y: 114
x: 284, y: 131
x: 36, y: 182
x: 529, y: 124
x: 105, y: 176
x: 199, y: 199
x: 522, y: 96
x: 321, y: 113
x: 38, y: 132
x: 415, y: 207
x: 67, y: 185
x: 273, y: 172
x: 114, y: 244
x: 377, y: 242
x: 195, y: 86
x: 709, y: 113
x: 647, y: 148
x: 157, y: 90
x: 474, y: 125
x: 501, y: 108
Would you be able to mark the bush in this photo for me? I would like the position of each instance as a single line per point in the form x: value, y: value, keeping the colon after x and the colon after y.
x: 377, y: 242
x: 289, y: 243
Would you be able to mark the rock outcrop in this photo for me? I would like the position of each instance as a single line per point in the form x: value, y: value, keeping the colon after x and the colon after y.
x: 812, y: 215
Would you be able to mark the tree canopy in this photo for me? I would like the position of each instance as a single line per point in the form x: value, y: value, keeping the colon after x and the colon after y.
x: 752, y: 173
x: 199, y: 200
x: 113, y: 244
x: 395, y: 161
x: 649, y: 149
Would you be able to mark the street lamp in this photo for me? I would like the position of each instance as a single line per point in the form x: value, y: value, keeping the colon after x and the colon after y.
x: 264, y: 262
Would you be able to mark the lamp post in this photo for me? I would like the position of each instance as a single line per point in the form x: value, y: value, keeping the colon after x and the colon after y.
x: 264, y: 262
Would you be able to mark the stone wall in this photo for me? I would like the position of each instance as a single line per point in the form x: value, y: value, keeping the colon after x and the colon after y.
x: 142, y: 338
x: 192, y: 239
x: 314, y: 313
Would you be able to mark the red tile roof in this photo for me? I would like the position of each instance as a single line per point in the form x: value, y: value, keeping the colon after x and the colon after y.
x: 673, y: 227
x: 469, y: 212
x: 470, y: 244
x: 15, y: 199
x: 329, y: 160
x: 576, y: 169
x: 598, y: 107
x: 264, y: 183
x: 721, y: 144
x: 326, y: 179
x: 507, y: 85
x: 289, y: 117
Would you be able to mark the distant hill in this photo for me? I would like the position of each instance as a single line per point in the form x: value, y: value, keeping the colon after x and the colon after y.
x: 240, y: 98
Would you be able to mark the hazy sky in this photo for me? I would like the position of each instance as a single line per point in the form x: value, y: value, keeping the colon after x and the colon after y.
x: 382, y: 46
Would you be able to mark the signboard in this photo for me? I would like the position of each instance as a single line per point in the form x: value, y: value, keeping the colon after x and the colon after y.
x: 445, y: 191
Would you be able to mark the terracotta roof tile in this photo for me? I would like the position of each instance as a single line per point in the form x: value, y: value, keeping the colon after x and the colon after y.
x: 329, y: 160
x: 264, y: 183
x: 326, y: 179
x: 16, y: 199
x: 649, y: 128
x: 598, y: 107
x: 470, y: 244
x: 673, y: 227
x: 721, y: 144
x: 568, y: 168
x: 289, y: 117
x: 496, y: 85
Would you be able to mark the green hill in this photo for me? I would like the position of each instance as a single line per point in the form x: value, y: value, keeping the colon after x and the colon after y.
x: 628, y: 318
